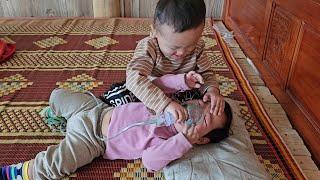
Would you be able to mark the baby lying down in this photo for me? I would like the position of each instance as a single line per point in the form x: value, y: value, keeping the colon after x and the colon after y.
x: 91, y: 124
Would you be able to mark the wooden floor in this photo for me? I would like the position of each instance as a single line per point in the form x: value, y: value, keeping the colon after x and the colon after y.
x: 271, y: 105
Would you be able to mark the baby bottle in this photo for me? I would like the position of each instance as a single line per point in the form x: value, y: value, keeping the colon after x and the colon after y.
x: 195, y: 116
x: 163, y: 119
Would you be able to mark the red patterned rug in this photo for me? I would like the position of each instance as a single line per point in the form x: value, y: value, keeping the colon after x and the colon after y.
x: 92, y: 54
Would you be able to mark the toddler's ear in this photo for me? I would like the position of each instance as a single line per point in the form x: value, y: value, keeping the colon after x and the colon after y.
x: 153, y: 31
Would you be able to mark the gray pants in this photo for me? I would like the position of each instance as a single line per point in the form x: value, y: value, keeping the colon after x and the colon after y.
x: 83, y: 141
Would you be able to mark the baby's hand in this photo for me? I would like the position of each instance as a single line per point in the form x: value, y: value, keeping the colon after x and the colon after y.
x: 190, y: 133
x: 217, y: 101
x: 193, y: 79
x: 179, y: 113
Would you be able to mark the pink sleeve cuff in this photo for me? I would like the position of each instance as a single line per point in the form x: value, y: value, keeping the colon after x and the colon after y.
x: 171, y: 83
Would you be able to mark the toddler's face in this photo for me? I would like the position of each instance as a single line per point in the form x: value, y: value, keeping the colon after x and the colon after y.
x: 175, y: 45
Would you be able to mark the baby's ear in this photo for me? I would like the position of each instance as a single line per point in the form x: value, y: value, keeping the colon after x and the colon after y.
x: 203, y: 140
x: 153, y: 31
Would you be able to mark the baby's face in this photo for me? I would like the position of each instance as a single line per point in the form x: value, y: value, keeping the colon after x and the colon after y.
x: 175, y: 45
x: 209, y: 122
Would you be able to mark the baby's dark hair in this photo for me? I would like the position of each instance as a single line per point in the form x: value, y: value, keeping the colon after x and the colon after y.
x: 217, y: 135
x: 182, y: 15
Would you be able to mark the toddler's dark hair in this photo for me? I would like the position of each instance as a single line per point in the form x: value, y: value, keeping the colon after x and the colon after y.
x: 217, y: 135
x: 182, y: 15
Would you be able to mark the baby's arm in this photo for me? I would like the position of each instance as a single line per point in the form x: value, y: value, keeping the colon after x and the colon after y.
x: 157, y: 157
x: 210, y: 89
x: 138, y: 71
x: 171, y: 83
x: 205, y: 70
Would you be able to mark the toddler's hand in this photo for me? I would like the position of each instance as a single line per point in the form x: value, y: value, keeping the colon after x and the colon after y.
x: 190, y: 133
x: 193, y: 79
x: 179, y: 113
x: 217, y: 101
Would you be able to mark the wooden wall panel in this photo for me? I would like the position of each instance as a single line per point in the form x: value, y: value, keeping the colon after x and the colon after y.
x: 106, y: 8
x: 49, y: 8
x: 16, y: 8
x: 127, y: 8
x: 282, y: 38
x: 32, y: 8
x: 1, y: 10
x: 280, y: 43
x: 246, y: 18
x: 145, y: 8
x: 91, y: 8
x: 214, y: 8
x: 79, y: 8
x: 304, y: 83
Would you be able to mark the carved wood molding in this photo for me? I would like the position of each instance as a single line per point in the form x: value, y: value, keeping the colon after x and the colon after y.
x: 281, y: 38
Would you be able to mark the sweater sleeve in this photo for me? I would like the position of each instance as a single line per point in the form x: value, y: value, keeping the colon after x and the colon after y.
x: 156, y: 157
x: 138, y: 71
x: 204, y: 68
x: 171, y: 83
